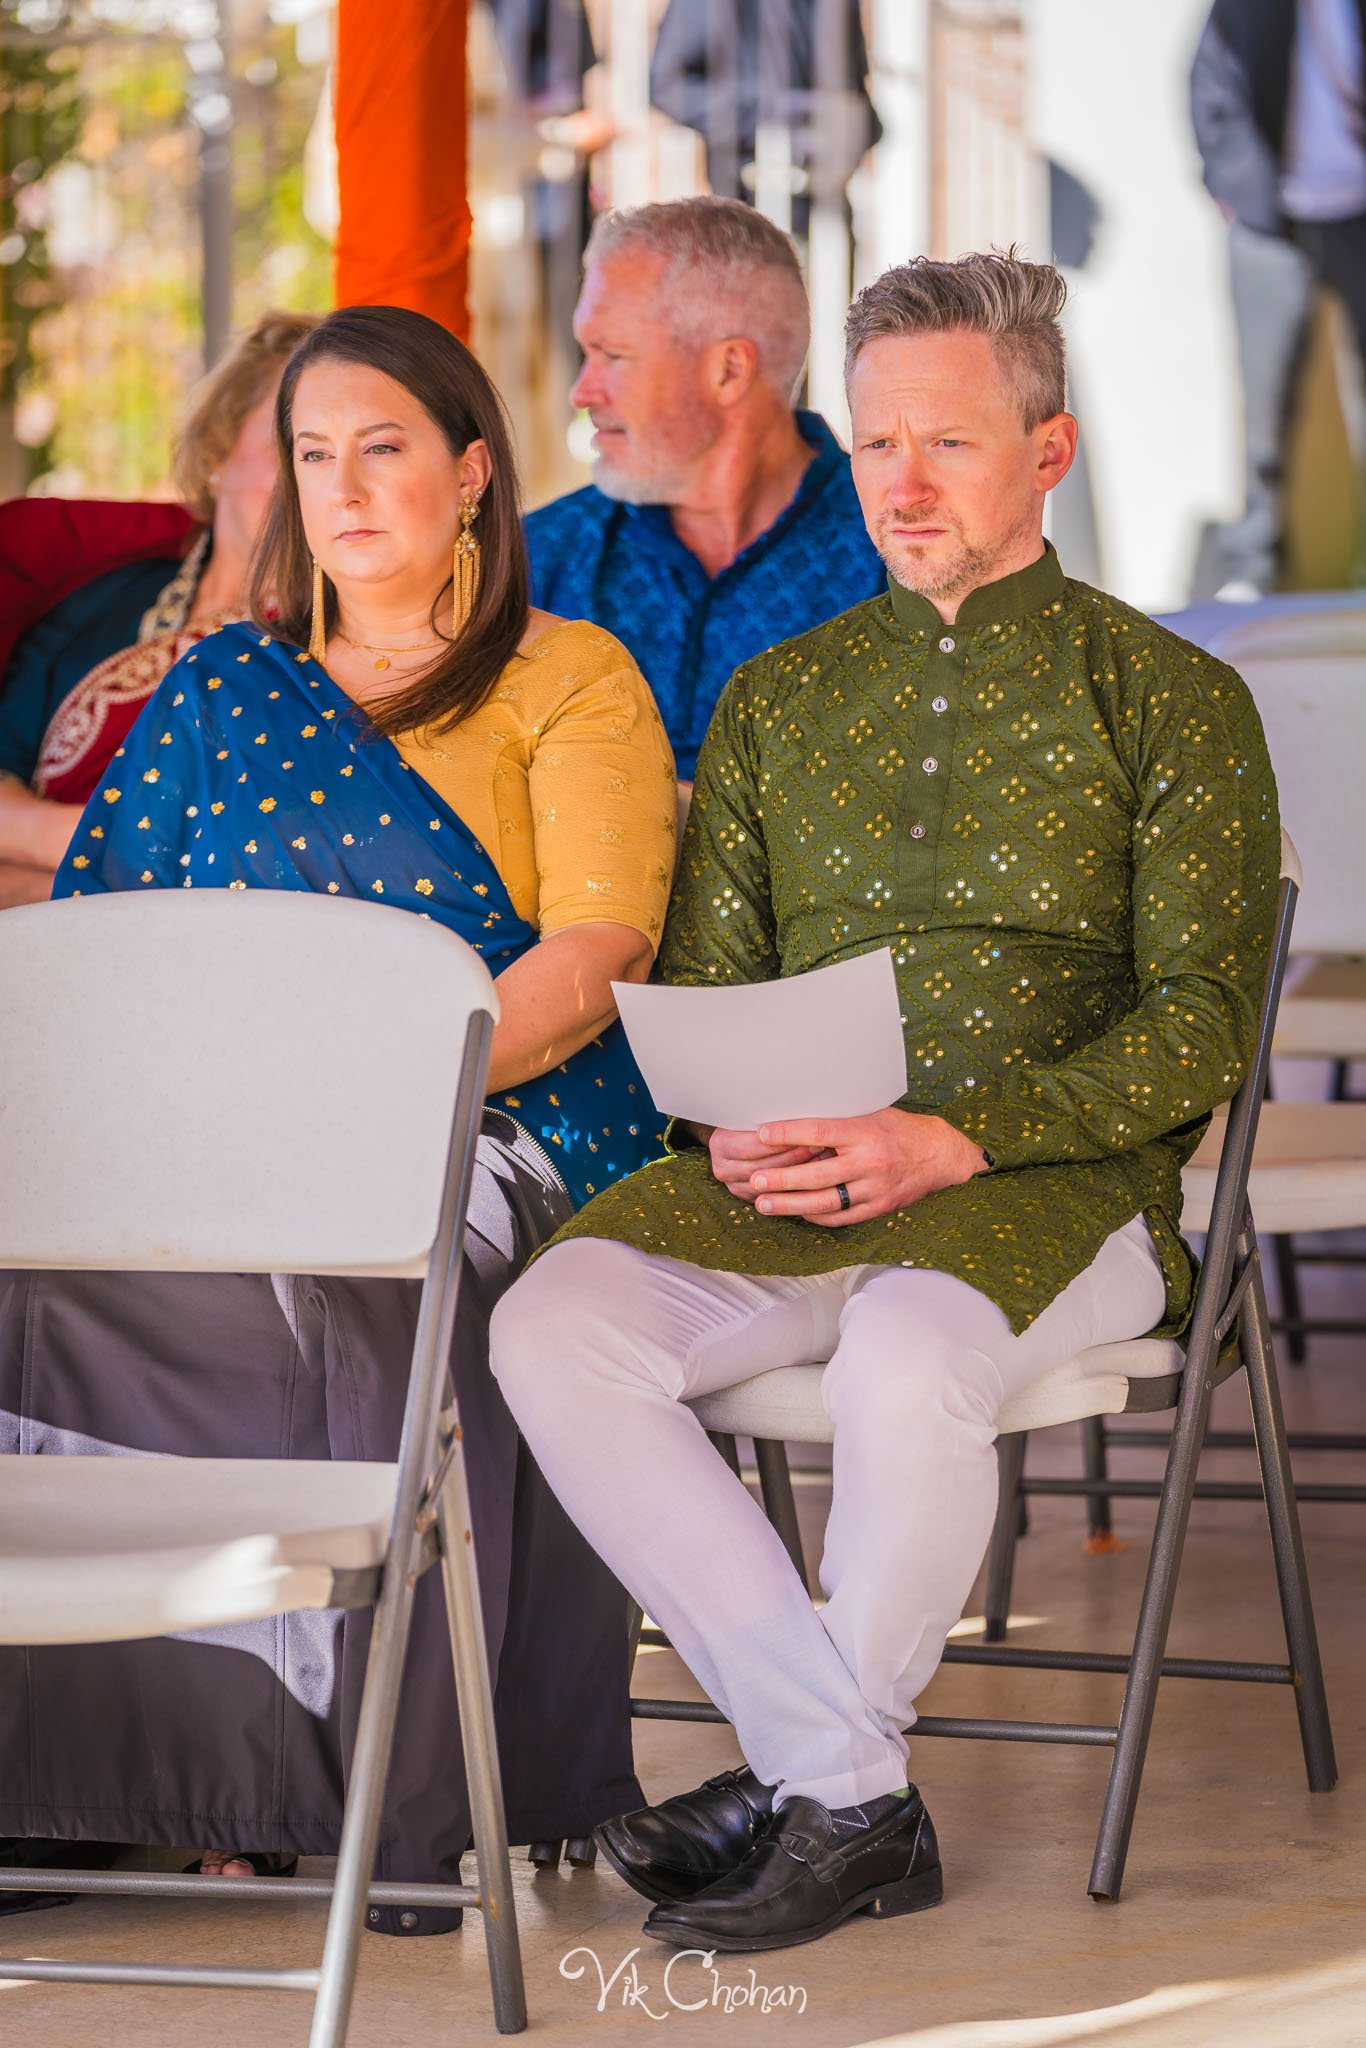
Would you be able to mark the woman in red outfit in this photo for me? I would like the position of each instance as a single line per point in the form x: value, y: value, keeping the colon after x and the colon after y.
x: 225, y: 470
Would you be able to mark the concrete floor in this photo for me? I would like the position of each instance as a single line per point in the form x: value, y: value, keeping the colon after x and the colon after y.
x: 1244, y: 1912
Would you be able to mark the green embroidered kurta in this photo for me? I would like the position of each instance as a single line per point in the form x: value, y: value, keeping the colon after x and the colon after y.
x: 1062, y: 820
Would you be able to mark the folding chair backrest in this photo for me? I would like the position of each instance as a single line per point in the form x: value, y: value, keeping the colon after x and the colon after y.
x: 1228, y: 1208
x: 1307, y: 674
x: 1332, y: 622
x: 241, y: 1081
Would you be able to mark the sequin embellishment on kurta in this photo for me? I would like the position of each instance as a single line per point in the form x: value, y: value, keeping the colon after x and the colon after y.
x: 1062, y: 820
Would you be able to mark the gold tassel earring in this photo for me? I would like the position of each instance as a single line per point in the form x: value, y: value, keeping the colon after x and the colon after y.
x: 466, y: 583
x: 317, y: 637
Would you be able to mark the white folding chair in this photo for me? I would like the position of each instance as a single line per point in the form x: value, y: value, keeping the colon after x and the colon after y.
x: 1304, y: 660
x: 215, y: 1144
x: 1303, y: 657
x: 1307, y: 672
x: 1145, y: 1374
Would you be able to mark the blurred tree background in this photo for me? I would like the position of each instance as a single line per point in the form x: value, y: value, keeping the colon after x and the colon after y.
x: 114, y: 255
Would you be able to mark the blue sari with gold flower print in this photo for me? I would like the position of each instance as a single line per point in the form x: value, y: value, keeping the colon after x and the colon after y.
x: 251, y: 769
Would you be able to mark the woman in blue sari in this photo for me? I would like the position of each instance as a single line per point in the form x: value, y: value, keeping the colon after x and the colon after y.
x: 405, y: 728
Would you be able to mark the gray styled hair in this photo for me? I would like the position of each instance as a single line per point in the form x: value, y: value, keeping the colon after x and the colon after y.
x: 991, y: 292
x: 729, y: 271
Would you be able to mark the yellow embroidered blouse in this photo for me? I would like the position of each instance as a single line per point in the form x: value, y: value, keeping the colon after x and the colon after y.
x: 566, y: 777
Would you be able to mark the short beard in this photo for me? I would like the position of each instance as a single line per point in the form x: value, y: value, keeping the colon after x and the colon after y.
x: 965, y: 570
x: 625, y: 489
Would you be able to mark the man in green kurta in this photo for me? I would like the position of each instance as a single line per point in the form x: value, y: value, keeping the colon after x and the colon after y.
x: 1062, y: 821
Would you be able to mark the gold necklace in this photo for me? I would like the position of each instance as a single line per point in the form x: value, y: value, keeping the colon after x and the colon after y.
x: 382, y: 654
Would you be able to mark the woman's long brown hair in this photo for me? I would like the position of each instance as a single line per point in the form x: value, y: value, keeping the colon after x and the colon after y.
x: 450, y: 385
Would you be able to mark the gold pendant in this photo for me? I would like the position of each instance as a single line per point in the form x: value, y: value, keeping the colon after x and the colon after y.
x: 382, y: 661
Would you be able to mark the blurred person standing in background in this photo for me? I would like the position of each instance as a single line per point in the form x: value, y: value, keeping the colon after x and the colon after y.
x: 719, y: 520
x: 1279, y: 109
x: 740, y: 71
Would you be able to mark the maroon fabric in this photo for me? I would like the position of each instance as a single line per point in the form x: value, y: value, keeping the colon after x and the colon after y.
x: 51, y: 546
x: 95, y: 718
x: 81, y: 784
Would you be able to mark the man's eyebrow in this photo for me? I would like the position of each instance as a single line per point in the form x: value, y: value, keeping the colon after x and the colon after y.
x: 307, y: 433
x: 885, y: 426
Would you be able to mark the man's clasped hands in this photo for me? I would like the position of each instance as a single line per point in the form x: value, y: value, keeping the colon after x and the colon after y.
x: 884, y: 1161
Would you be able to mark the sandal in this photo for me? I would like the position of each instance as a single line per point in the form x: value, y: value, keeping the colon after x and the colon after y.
x: 264, y: 1863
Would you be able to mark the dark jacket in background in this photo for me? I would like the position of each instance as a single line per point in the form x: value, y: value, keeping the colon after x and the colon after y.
x: 1240, y: 93
x: 724, y: 67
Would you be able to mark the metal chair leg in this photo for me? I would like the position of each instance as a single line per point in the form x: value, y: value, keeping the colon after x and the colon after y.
x: 365, y: 1797
x: 726, y: 1446
x: 1283, y: 1252
x: 1095, y: 1464
x: 1154, y: 1622
x: 1010, y: 1454
x: 1288, y: 1281
x: 474, y: 1697
x: 580, y: 1851
x: 775, y: 1484
x: 1273, y: 1457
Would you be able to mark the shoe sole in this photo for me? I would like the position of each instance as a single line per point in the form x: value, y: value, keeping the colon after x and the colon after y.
x: 641, y: 1884
x: 884, y: 1902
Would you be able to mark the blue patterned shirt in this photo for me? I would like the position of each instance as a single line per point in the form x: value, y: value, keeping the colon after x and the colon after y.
x: 624, y: 567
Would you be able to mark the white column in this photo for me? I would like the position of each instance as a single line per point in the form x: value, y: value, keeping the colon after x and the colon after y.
x: 893, y: 219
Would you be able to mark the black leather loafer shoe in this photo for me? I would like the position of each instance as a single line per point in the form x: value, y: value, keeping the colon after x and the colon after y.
x: 676, y: 1849
x: 805, y: 1874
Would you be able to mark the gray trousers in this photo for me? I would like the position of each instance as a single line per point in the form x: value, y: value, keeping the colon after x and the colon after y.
x: 240, y: 1737
x: 1273, y: 282
x: 917, y: 1366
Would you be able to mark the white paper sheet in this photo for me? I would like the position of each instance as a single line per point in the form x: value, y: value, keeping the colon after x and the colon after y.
x: 828, y: 1043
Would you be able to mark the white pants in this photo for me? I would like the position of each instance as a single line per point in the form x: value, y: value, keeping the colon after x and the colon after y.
x: 598, y: 1346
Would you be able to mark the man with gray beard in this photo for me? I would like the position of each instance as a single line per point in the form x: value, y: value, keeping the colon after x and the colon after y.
x: 719, y: 519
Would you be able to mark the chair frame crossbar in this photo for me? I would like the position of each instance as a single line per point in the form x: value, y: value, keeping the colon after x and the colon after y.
x: 1230, y: 1294
x: 1076, y: 1660
x: 157, y: 1884
x: 1101, y: 1487
x: 431, y: 1520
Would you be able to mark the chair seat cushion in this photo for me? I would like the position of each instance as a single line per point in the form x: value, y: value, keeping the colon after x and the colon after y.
x: 1094, y: 1382
x: 1324, y: 1015
x: 1308, y: 1169
x: 108, y: 1549
x: 786, y: 1404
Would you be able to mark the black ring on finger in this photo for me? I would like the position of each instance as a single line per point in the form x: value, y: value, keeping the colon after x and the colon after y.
x: 842, y: 1191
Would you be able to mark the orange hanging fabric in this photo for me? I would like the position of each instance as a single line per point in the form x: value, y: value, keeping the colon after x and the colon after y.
x: 402, y: 131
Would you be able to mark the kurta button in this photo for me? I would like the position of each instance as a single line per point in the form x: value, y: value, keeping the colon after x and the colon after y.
x: 929, y: 764
x: 917, y: 831
x: 940, y: 704
x: 947, y: 644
